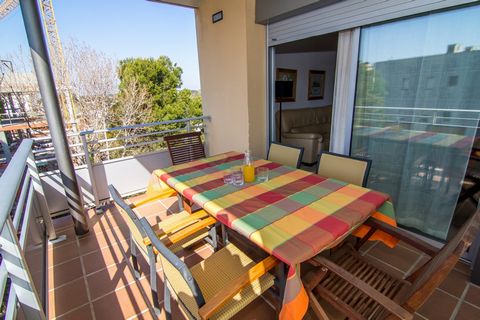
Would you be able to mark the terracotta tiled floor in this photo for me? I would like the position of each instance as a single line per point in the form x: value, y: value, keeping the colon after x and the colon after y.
x: 91, y: 277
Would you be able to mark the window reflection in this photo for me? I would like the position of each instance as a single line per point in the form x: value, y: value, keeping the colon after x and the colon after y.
x: 416, y: 112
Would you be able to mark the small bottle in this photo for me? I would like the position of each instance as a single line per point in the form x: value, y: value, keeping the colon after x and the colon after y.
x: 248, y: 168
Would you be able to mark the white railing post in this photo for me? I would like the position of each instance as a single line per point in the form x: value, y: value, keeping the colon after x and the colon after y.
x: 5, y: 146
x: 40, y: 197
x: 13, y: 188
x: 205, y: 136
x: 22, y: 282
x: 91, y: 175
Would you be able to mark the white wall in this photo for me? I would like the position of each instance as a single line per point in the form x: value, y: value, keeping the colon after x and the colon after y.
x: 303, y: 62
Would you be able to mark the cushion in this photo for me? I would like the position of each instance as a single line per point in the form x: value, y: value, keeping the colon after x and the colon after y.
x: 221, y: 269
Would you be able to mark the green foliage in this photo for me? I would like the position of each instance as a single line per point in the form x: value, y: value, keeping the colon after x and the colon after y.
x: 371, y: 89
x: 161, y: 78
x: 186, y: 105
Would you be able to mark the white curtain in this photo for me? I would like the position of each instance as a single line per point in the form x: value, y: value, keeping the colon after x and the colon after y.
x: 344, y: 94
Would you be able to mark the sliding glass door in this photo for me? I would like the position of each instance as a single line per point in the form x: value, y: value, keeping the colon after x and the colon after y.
x: 416, y: 114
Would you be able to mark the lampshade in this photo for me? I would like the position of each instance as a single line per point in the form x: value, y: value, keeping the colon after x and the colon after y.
x: 283, y: 89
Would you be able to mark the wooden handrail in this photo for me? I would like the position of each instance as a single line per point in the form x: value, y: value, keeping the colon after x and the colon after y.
x: 227, y: 293
x: 402, y: 235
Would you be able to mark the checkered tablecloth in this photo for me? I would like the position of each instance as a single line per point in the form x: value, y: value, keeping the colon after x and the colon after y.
x: 293, y: 216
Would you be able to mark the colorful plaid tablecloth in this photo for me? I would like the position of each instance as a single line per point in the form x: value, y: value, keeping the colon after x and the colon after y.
x: 293, y: 216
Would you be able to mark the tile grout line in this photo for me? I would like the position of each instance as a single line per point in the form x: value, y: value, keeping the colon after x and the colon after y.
x: 414, y: 265
x: 106, y: 267
x: 85, y: 275
x: 70, y: 311
x: 119, y: 288
x: 448, y: 293
x: 88, y: 252
x: 102, y: 248
x: 64, y: 284
x: 459, y: 303
x: 400, y: 244
x: 144, y: 276
x: 61, y: 244
x: 124, y: 254
x: 474, y: 285
x: 472, y: 305
x: 419, y: 315
x: 370, y: 248
x: 135, y: 280
x: 89, y: 296
x: 139, y: 314
x: 62, y: 263
x: 384, y: 262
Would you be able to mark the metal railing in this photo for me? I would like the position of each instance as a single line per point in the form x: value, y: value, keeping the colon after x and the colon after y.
x: 99, y: 145
x: 10, y: 118
x: 89, y: 148
x: 454, y: 118
x: 24, y: 222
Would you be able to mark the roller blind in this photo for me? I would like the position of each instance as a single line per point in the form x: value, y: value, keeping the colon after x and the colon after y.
x: 350, y: 14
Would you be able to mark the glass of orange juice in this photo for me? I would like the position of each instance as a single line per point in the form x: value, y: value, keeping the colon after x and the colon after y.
x: 249, y: 173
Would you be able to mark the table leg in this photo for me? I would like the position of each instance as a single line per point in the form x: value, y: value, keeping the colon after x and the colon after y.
x: 281, y: 282
x: 476, y: 262
x: 180, y: 201
x: 187, y: 204
x: 224, y: 235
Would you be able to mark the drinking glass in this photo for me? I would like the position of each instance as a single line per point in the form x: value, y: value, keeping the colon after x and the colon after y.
x: 228, y: 177
x: 262, y: 174
x: 237, y: 175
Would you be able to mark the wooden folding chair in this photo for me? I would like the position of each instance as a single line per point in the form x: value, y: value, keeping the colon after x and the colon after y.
x: 361, y: 289
x: 215, y: 288
x: 185, y: 147
x: 178, y: 232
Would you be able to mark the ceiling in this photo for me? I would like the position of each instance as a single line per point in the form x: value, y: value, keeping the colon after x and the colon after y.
x: 327, y: 42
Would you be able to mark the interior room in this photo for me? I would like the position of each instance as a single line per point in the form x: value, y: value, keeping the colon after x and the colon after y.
x: 308, y: 66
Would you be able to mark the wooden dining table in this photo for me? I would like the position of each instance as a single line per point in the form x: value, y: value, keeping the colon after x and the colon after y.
x: 293, y: 216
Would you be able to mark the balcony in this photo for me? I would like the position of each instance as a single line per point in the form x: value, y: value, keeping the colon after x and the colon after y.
x: 91, y: 277
x: 95, y: 269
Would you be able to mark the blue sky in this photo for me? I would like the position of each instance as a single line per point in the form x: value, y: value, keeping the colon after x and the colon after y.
x: 121, y: 29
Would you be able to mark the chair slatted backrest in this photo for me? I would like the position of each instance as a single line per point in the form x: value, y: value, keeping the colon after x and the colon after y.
x: 130, y: 217
x: 286, y: 155
x: 349, y: 169
x: 438, y: 267
x: 185, y: 147
x: 177, y: 274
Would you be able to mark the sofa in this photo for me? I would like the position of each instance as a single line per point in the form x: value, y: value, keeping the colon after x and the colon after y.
x: 308, y: 128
